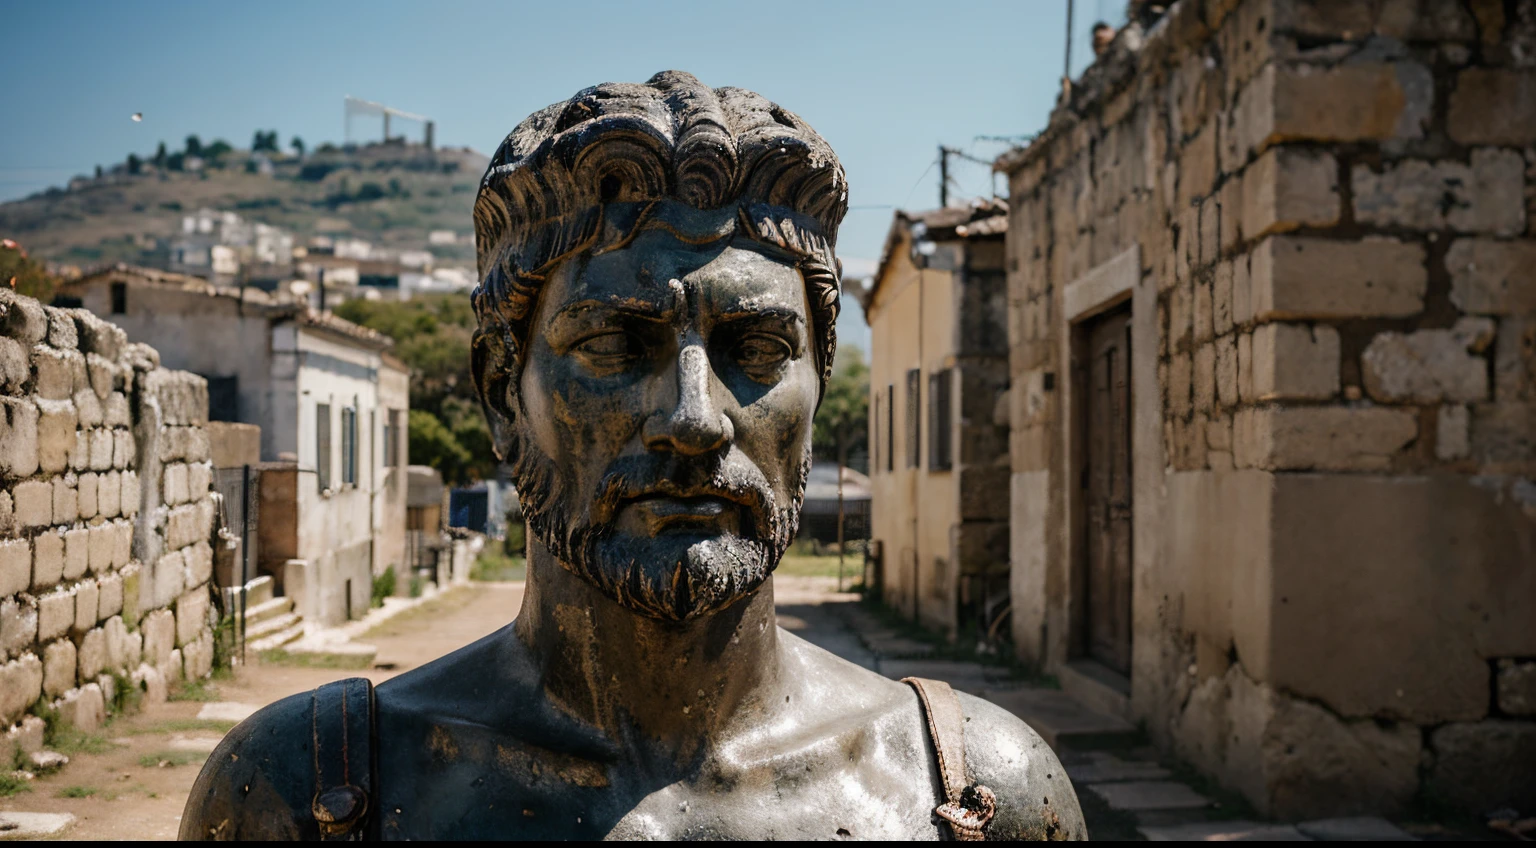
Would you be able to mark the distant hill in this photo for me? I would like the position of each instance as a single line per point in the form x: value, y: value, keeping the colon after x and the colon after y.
x: 390, y: 194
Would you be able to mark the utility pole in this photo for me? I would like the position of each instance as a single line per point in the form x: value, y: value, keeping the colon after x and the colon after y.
x: 1066, y: 72
x: 944, y: 154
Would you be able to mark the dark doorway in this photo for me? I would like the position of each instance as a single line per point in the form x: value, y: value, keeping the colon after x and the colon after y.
x: 1107, y: 489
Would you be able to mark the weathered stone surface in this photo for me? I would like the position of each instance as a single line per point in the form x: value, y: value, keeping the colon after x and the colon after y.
x: 199, y: 480
x: 123, y: 449
x: 1452, y: 439
x: 191, y: 615
x: 97, y: 336
x: 102, y: 539
x: 14, y: 367
x: 117, y: 643
x: 77, y: 552
x: 109, y: 494
x: 1514, y: 364
x: 153, y: 682
x: 170, y: 577
x: 87, y: 604
x: 47, y: 559
x: 1319, y: 764
x: 34, y: 503
x: 130, y: 493
x: 18, y: 625
x: 1295, y: 361
x: 1485, y: 765
x: 1147, y: 795
x: 159, y: 628
x: 55, y: 614
x: 21, y: 684
x: 22, y: 318
x: 86, y: 493
x: 1321, y: 437
x: 1492, y: 277
x: 1357, y: 102
x: 1517, y: 687
x: 92, y: 653
x: 1288, y: 188
x: 8, y: 524
x: 101, y: 449
x: 1294, y: 277
x: 53, y: 372
x: 1493, y: 106
x: 18, y: 437
x: 197, y: 656
x: 102, y: 374
x: 174, y: 485
x: 61, y: 329
x: 1237, y: 830
x: 84, y: 708
x: 80, y: 456
x: 1483, y: 197
x: 58, y: 667
x: 15, y: 566
x: 122, y: 543
x: 66, y: 501
x: 88, y: 411
x: 111, y: 587
x: 1429, y: 366
x: 199, y: 557
x: 115, y: 410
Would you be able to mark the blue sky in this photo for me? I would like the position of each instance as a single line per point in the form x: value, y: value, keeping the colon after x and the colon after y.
x: 885, y: 83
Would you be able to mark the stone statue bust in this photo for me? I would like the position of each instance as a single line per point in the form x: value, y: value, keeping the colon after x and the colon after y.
x: 657, y: 308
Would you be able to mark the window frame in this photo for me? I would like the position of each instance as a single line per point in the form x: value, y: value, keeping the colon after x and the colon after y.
x: 323, y: 446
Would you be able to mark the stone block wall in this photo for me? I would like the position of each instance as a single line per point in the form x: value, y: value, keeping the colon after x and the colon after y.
x: 105, y: 518
x: 1334, y: 382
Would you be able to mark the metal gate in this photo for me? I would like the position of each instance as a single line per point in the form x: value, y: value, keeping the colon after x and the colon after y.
x: 235, y: 559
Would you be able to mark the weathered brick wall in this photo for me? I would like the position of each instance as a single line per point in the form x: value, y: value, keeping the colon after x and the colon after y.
x: 105, y: 519
x: 1335, y: 209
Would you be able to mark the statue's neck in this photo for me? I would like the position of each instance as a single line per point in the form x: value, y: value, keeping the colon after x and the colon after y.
x: 669, y: 687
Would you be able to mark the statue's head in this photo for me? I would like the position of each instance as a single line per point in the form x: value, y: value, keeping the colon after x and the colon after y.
x: 657, y: 306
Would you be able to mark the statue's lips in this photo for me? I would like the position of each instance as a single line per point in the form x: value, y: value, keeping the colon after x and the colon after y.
x: 660, y: 512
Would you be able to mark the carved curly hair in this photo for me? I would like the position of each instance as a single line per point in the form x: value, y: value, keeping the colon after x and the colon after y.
x: 588, y: 173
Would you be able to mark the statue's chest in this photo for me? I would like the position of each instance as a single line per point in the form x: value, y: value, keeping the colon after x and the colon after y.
x: 510, y: 792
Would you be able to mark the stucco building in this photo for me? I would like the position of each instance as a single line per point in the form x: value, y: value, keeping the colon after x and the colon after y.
x: 331, y: 402
x: 1272, y: 332
x: 938, y: 435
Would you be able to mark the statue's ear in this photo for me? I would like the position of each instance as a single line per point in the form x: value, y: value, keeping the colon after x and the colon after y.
x: 493, y: 355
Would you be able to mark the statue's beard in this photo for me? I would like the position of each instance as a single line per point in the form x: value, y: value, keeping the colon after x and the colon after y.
x: 670, y: 576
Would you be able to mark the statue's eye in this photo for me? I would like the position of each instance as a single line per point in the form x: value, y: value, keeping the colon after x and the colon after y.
x: 761, y: 351
x: 608, y: 345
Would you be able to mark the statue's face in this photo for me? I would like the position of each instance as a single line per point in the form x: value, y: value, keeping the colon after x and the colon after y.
x: 665, y: 417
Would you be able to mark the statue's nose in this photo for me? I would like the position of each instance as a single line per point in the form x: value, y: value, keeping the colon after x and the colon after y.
x: 693, y: 423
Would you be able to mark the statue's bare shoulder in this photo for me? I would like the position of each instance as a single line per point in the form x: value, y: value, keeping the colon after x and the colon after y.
x: 1035, y: 799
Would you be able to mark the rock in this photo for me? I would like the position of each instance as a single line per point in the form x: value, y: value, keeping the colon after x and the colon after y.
x: 21, y: 684
x: 18, y: 437
x: 46, y: 762
x: 226, y: 711
x: 22, y: 318
x: 1486, y: 764
x: 55, y: 614
x: 150, y: 679
x: 58, y: 667
x: 18, y: 625
x: 15, y: 566
x: 1517, y: 687
x: 36, y: 825
x: 92, y: 653
x: 28, y: 734
x: 1430, y: 366
x: 84, y: 708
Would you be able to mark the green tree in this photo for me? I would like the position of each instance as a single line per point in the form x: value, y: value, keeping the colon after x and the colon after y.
x: 298, y: 146
x: 24, y: 274
x: 160, y: 155
x: 218, y: 148
x: 842, y: 422
x: 134, y: 164
x: 433, y: 445
x: 194, y: 146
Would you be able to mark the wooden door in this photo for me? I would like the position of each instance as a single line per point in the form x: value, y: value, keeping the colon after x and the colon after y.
x: 1107, y: 496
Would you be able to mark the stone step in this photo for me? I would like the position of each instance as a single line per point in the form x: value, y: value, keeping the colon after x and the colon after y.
x: 30, y: 826
x: 1061, y: 720
x: 1224, y: 831
x: 268, y: 626
x: 259, y: 590
x: 279, y: 639
x: 265, y: 610
x: 1097, y: 687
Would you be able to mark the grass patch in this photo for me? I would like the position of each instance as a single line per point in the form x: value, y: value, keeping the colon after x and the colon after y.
x: 77, y: 792
x: 813, y: 565
x: 184, y: 725
x: 197, y: 690
x: 496, y: 566
x: 11, y: 785
x: 69, y: 742
x: 306, y: 659
x: 168, y: 759
x: 411, y: 620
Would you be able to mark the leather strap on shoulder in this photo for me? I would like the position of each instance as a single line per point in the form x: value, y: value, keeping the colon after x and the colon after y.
x: 968, y: 806
x: 341, y: 728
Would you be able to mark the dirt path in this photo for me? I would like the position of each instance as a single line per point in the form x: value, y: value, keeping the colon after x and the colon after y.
x: 133, y: 779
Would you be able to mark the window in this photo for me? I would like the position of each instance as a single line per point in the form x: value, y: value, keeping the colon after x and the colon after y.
x: 349, y: 445
x: 323, y: 445
x: 939, y: 399
x: 890, y: 427
x: 119, y: 298
x: 914, y: 428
